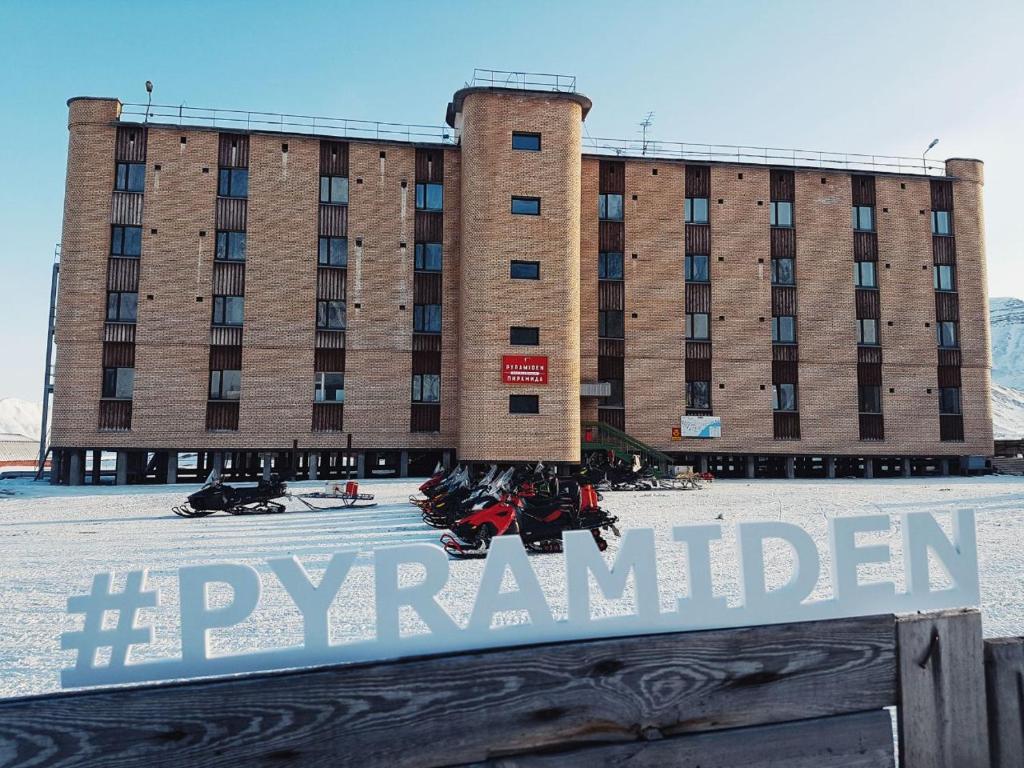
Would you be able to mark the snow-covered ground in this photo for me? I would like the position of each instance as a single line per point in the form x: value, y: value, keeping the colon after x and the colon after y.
x: 20, y: 417
x: 52, y: 541
x: 1007, y: 412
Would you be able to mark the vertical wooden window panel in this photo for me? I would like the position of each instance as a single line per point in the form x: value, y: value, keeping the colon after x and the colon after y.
x: 785, y: 372
x: 233, y: 150
x: 863, y: 188
x: 698, y: 369
x: 612, y: 177
x: 223, y: 357
x: 333, y: 158
x: 426, y: 362
x: 126, y: 208
x: 611, y: 236
x: 949, y: 376
x: 951, y: 428
x: 333, y: 220
x: 786, y: 426
x: 867, y: 304
x: 611, y: 347
x: 698, y: 238
x: 865, y: 246
x: 872, y: 426
x: 329, y: 360
x: 124, y: 332
x: 943, y: 250
x: 698, y: 350
x: 222, y: 416
x: 118, y: 354
x: 942, y: 195
x: 426, y: 342
x: 228, y: 278
x: 698, y: 297
x: 226, y: 336
x: 115, y: 416
x: 613, y: 417
x: 782, y: 185
x: 947, y: 307
x: 610, y: 294
x: 429, y: 227
x: 609, y: 367
x: 429, y: 165
x: 328, y: 417
x: 123, y: 274
x: 783, y: 242
x: 872, y: 355
x: 869, y: 374
x: 425, y: 417
x: 130, y: 144
x: 331, y: 283
x: 698, y: 181
x: 232, y: 213
x: 427, y: 288
x: 950, y: 357
x: 783, y: 301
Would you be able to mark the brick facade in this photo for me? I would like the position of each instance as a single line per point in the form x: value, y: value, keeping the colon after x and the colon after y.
x: 480, y: 302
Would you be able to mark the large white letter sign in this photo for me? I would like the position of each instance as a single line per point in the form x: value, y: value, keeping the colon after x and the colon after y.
x: 783, y: 603
x: 851, y: 595
x: 636, y: 555
x: 421, y: 597
x: 701, y: 605
x: 313, y: 602
x: 197, y: 617
x: 959, y: 557
x: 508, y: 553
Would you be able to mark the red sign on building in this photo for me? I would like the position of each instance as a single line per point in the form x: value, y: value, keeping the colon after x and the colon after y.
x: 524, y: 369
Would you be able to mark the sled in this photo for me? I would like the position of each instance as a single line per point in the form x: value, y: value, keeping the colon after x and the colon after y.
x: 349, y: 496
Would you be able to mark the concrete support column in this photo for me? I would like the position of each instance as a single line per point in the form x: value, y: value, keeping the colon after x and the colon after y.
x: 702, y: 463
x: 55, y: 466
x: 869, y: 468
x: 361, y: 465
x: 76, y: 469
x: 314, y: 466
x: 97, y: 466
x: 121, y: 472
x: 830, y: 467
x: 907, y: 468
x: 790, y: 467
x: 751, y: 467
x: 218, y: 462
x: 403, y: 464
x: 944, y: 467
x: 268, y: 465
x: 172, y: 467
x: 447, y: 459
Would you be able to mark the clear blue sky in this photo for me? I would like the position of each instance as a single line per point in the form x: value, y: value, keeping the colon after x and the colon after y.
x: 865, y: 76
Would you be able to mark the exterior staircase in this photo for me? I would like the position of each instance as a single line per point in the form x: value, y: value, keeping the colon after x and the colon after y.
x: 598, y: 436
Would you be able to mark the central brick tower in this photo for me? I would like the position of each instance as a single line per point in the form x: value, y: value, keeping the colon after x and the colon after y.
x: 520, y: 203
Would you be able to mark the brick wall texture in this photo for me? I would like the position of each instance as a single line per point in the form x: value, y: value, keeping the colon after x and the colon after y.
x: 481, y: 301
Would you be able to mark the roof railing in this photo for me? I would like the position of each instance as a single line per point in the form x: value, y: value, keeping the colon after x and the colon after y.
x: 732, y: 153
x: 238, y: 119
x: 533, y: 81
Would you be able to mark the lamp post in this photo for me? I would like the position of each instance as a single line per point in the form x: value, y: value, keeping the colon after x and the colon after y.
x: 924, y: 161
x: 149, y: 98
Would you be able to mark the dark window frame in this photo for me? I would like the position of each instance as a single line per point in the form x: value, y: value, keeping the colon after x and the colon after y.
x: 869, y: 399
x: 697, y: 387
x: 130, y: 177
x: 690, y: 210
x: 529, y: 136
x: 331, y: 196
x: 420, y: 394
x: 773, y: 214
x: 604, y: 212
x: 781, y: 322
x: 220, y: 309
x: 936, y: 216
x: 325, y: 253
x: 946, y: 340
x: 689, y: 268
x: 604, y: 259
x: 522, y: 263
x: 948, y: 269
x: 526, y: 405
x: 521, y: 199
x: 609, y: 321
x: 326, y: 320
x: 859, y: 268
x: 957, y: 408
x: 236, y: 185
x: 423, y: 316
x: 423, y: 197
x: 421, y: 262
x: 778, y: 404
x: 112, y: 381
x: 320, y: 388
x: 690, y: 328
x: 862, y: 324
x: 774, y: 270
x: 227, y: 237
x: 118, y: 241
x: 524, y: 336
x: 857, y: 213
x: 219, y: 388
x: 122, y: 312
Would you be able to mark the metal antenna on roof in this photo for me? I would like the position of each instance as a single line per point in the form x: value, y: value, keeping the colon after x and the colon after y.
x: 646, y: 123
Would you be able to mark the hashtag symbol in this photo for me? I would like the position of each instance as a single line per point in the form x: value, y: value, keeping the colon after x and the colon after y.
x: 93, y: 636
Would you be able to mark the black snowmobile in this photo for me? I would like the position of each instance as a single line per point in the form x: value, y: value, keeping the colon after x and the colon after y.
x: 215, y: 496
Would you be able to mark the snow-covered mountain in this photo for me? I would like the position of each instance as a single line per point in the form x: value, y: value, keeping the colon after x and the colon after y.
x: 1007, y: 323
x: 1007, y: 412
x: 20, y: 417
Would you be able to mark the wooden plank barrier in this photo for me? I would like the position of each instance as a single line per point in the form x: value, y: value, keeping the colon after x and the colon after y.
x: 1004, y: 683
x: 807, y: 695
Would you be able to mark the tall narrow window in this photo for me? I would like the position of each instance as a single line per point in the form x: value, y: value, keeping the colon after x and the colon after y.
x: 695, y: 268
x: 784, y: 397
x: 784, y: 329
x: 695, y: 210
x: 330, y: 315
x: 122, y: 306
x: 697, y: 326
x: 524, y: 270
x: 867, y: 332
x: 332, y: 252
x: 334, y: 190
x: 225, y: 384
x: 426, y: 388
x: 233, y: 182
x: 863, y: 218
x: 429, y: 196
x: 329, y: 387
x: 130, y: 177
x: 616, y: 395
x: 947, y: 334
x: 941, y: 223
x: 869, y: 398
x: 782, y: 272
x: 610, y: 324
x: 125, y: 241
x: 949, y: 401
x: 698, y: 395
x: 523, y: 404
x: 864, y: 274
x: 526, y: 206
x: 944, y: 280
x: 609, y: 265
x: 230, y: 246
x: 609, y: 207
x: 428, y: 257
x: 118, y: 383
x: 426, y: 318
x: 781, y: 214
x: 529, y: 142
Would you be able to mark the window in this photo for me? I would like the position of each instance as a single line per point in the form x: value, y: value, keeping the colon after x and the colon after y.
x: 616, y: 397
x: 122, y: 307
x: 428, y: 257
x: 781, y: 214
x: 426, y: 387
x: 329, y: 388
x: 230, y: 246
x: 526, y: 206
x: 609, y: 207
x: 610, y: 324
x: 529, y: 142
x: 233, y: 182
x: 695, y: 268
x: 783, y: 397
x: 429, y: 197
x: 525, y: 270
x: 225, y: 385
x: 695, y: 210
x: 949, y: 400
x: 944, y: 278
x: 228, y: 310
x: 869, y: 398
x: 609, y: 265
x: 784, y: 329
x: 330, y: 315
x: 524, y: 336
x: 867, y: 331
x: 334, y: 190
x: 863, y: 218
x: 782, y: 272
x: 125, y: 241
x: 864, y: 274
x: 333, y: 252
x: 947, y: 335
x: 118, y: 383
x: 697, y: 326
x: 426, y: 318
x: 131, y: 177
x: 941, y: 223
x: 523, y: 404
x: 698, y: 395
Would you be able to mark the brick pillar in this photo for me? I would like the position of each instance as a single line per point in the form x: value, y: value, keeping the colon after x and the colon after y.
x: 403, y: 464
x: 121, y: 472
x: 172, y: 467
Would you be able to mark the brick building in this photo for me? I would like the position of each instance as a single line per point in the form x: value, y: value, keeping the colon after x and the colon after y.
x: 253, y: 292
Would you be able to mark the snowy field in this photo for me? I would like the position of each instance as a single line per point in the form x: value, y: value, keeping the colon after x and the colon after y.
x: 52, y: 541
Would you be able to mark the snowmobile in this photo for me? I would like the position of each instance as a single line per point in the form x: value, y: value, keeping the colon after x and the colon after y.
x: 215, y: 496
x: 445, y: 510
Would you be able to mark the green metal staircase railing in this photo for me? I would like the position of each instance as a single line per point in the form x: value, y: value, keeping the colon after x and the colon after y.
x: 598, y: 436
